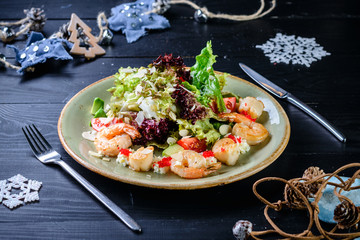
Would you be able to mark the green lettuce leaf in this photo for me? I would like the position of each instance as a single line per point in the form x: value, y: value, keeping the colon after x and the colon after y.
x: 201, y: 129
x: 205, y: 80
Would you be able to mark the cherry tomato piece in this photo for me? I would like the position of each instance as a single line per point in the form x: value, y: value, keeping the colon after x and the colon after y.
x: 230, y: 104
x: 98, y: 123
x: 193, y: 143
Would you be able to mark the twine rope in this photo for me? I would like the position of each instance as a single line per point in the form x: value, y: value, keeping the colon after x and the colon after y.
x: 313, y: 208
x: 19, y: 22
x: 258, y: 14
x: 22, y: 31
x: 9, y: 65
x: 102, y: 23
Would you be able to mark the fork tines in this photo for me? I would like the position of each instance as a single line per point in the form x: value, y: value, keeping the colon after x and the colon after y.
x: 35, y: 139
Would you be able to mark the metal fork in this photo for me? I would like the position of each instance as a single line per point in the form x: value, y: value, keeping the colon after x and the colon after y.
x: 46, y: 154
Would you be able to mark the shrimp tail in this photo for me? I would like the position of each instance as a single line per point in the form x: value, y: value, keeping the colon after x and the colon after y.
x: 131, y: 131
x: 229, y: 116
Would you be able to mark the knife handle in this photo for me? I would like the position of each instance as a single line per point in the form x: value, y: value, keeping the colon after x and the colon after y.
x: 292, y: 99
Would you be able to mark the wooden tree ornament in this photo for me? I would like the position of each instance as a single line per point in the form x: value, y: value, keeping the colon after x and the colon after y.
x: 94, y: 48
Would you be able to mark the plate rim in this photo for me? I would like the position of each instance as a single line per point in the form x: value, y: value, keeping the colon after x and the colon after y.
x: 189, y: 185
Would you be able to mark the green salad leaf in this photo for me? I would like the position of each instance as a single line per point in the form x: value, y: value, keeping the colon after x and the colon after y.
x: 201, y: 129
x: 205, y: 79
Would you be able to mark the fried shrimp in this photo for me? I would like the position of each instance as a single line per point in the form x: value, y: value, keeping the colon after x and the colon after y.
x: 251, y: 106
x: 190, y: 164
x: 110, y: 140
x: 253, y: 132
x: 142, y: 159
x: 226, y: 151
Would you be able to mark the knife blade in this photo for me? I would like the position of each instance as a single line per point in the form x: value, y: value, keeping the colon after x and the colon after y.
x: 283, y: 94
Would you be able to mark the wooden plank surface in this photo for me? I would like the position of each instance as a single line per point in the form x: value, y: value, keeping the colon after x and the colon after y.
x: 67, y: 211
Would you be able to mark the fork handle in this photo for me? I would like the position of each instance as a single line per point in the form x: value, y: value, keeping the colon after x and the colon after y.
x: 101, y: 197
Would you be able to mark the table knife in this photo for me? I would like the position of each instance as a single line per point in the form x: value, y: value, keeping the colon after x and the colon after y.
x: 281, y: 93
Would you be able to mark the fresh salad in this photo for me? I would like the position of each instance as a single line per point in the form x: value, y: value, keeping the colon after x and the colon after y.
x: 181, y: 112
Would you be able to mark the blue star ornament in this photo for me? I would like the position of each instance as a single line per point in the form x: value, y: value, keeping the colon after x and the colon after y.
x: 38, y: 49
x: 134, y: 19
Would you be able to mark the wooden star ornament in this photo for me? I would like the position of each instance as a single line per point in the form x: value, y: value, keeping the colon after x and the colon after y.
x: 92, y: 49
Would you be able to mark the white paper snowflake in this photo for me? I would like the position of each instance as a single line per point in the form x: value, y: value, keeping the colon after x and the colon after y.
x: 297, y: 50
x: 28, y: 191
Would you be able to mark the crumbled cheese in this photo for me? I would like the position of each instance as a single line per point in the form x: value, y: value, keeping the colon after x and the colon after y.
x: 140, y: 118
x: 160, y: 170
x: 141, y: 73
x: 243, y: 146
x: 95, y: 154
x: 122, y: 159
x: 147, y: 106
x: 148, y: 176
x: 106, y: 159
x: 140, y: 99
x: 124, y: 107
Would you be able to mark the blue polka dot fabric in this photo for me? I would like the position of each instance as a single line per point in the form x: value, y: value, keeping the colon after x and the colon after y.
x: 38, y: 49
x: 133, y: 19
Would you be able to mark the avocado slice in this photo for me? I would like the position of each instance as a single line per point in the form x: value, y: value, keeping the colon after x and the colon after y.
x: 97, y: 104
x: 100, y: 113
x: 172, y: 149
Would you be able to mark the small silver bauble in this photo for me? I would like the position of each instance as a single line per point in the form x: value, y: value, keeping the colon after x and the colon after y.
x: 2, y: 56
x: 23, y: 55
x: 36, y: 48
x: 242, y: 229
x: 200, y: 16
x: 46, y: 48
x: 106, y: 37
x: 7, y: 34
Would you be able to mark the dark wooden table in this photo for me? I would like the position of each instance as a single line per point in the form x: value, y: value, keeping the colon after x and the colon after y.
x: 67, y: 211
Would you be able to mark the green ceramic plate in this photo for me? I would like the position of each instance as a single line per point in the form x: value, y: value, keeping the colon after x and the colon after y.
x: 75, y: 117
